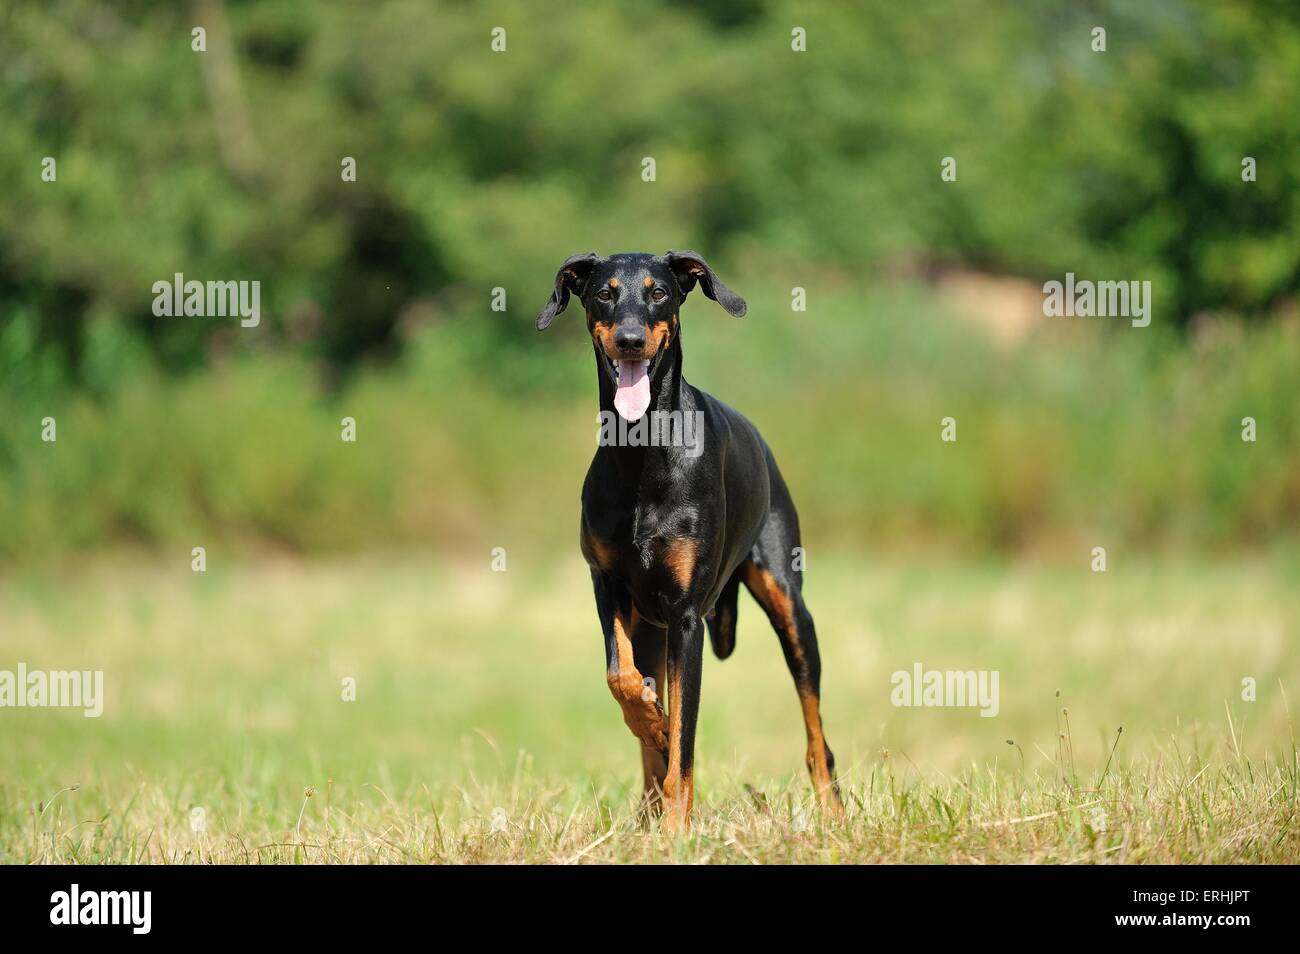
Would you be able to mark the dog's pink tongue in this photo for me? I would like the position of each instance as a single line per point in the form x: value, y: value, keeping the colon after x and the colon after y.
x: 633, y: 394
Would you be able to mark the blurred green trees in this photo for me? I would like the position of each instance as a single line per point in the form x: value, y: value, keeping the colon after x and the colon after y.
x: 477, y: 169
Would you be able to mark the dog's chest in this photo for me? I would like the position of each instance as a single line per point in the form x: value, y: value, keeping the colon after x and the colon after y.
x: 643, y: 543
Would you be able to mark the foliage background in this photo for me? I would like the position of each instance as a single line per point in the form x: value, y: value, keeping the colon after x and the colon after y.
x: 478, y: 169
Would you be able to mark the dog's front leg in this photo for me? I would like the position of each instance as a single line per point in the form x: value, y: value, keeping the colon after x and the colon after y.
x: 640, y: 704
x: 685, y: 663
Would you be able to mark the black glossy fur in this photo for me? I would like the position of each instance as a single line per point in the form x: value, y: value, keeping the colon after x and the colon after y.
x: 670, y: 537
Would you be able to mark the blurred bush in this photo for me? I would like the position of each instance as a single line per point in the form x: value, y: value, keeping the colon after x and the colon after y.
x: 1103, y: 435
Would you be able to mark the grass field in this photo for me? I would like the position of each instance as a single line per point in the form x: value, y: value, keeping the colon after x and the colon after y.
x: 482, y: 729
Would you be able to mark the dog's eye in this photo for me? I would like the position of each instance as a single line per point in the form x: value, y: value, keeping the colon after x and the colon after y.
x: 658, y: 294
x: 604, y: 294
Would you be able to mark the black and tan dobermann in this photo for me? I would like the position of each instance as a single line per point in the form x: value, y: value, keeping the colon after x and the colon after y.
x: 671, y: 530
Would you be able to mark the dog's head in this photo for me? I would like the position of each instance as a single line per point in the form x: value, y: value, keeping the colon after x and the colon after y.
x: 633, y: 303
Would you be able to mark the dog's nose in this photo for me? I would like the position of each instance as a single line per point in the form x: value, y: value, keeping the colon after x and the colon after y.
x: 629, y: 339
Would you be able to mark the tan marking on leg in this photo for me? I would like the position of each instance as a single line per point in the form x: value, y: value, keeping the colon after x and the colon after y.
x: 679, y: 557
x: 773, y: 599
x: 769, y: 593
x: 820, y: 770
x: 640, y: 704
x: 679, y: 787
x: 654, y: 762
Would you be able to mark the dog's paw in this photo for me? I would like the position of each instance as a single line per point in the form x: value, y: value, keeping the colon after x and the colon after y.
x: 642, y: 710
x: 645, y: 717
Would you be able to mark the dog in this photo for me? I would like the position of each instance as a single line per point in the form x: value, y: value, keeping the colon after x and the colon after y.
x: 671, y: 532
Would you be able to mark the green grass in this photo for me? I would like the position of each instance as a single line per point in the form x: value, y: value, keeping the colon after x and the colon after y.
x: 482, y: 694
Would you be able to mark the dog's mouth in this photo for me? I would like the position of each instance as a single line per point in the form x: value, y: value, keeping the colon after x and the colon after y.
x: 631, y: 378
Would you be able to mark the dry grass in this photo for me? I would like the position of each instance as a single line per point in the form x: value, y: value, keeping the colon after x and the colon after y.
x: 483, y: 732
x: 1159, y: 813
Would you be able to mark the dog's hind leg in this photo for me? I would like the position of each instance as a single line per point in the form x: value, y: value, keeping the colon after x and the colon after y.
x: 772, y: 587
x: 772, y: 577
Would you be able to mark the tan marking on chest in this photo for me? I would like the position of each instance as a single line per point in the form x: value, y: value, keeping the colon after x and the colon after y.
x: 679, y: 557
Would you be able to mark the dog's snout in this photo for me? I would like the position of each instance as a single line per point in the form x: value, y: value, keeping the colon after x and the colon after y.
x: 629, y: 338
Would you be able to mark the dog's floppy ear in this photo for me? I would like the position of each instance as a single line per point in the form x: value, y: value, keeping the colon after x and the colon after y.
x: 571, y: 278
x: 690, y: 268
